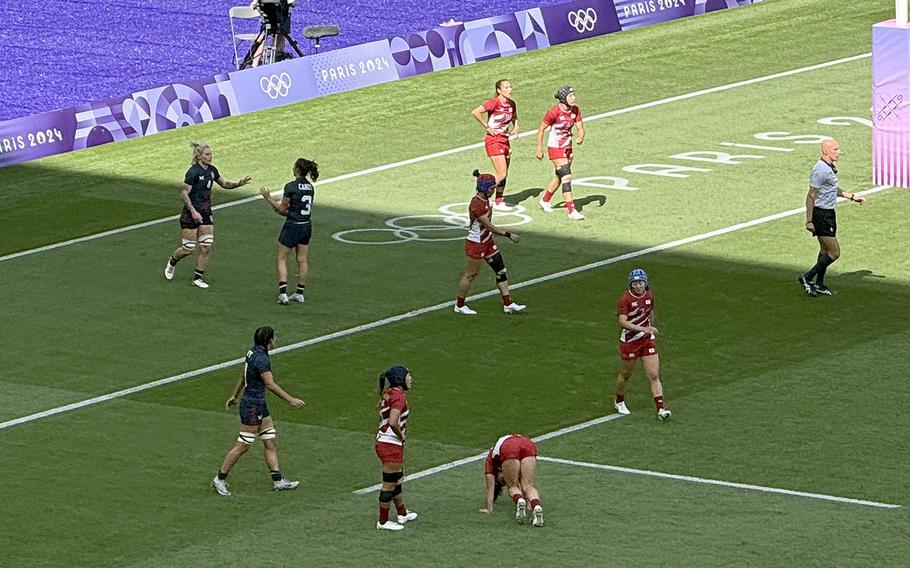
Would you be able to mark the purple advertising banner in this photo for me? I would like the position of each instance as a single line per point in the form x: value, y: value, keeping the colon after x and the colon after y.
x: 890, y: 104
x: 353, y: 67
x: 501, y: 36
x: 195, y: 102
x: 33, y: 137
x: 273, y: 85
x: 579, y: 19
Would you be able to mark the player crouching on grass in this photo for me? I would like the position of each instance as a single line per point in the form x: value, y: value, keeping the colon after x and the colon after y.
x: 636, y: 318
x: 512, y: 462
x: 479, y: 246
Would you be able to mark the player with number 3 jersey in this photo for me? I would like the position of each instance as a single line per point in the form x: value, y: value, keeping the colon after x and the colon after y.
x: 297, y: 206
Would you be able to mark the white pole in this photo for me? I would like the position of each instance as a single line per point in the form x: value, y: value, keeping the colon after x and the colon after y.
x: 900, y: 12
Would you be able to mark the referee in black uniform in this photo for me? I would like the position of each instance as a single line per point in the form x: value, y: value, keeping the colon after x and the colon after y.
x: 820, y: 217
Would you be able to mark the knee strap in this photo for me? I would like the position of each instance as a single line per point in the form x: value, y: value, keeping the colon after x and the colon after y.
x: 392, y: 477
x: 397, y: 491
x: 386, y: 496
x: 246, y: 438
x: 206, y: 240
x: 188, y: 244
x: 563, y: 171
x: 268, y: 434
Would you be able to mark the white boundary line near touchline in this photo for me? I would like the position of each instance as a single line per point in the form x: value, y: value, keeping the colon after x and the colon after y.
x: 414, y: 313
x: 426, y: 157
x: 732, y: 484
x: 478, y: 457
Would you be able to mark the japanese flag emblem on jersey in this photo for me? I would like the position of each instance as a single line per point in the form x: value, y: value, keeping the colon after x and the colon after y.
x: 647, y: 302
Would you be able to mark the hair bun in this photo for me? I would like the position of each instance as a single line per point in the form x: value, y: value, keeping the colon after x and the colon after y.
x: 476, y: 173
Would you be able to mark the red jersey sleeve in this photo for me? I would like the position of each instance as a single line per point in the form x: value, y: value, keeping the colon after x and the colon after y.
x: 488, y: 466
x: 478, y: 208
x: 623, y: 306
x: 551, y: 116
x: 490, y: 105
x: 397, y: 400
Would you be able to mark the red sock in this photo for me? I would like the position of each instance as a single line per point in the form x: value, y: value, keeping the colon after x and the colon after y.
x: 402, y: 510
x: 383, y: 515
x: 659, y: 402
x: 498, y: 198
x: 535, y: 503
x: 516, y: 497
x: 570, y: 205
x: 620, y: 398
x: 506, y: 299
x: 459, y: 302
x: 547, y: 196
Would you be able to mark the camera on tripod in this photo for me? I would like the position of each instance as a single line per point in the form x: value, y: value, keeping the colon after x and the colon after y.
x: 276, y: 14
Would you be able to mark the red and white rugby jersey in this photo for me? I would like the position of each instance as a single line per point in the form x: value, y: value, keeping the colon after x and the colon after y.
x: 492, y: 464
x: 499, y: 116
x: 561, y: 123
x: 392, y: 398
x: 638, y: 309
x: 478, y: 207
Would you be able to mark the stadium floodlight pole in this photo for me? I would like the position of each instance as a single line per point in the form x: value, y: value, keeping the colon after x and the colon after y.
x: 900, y: 12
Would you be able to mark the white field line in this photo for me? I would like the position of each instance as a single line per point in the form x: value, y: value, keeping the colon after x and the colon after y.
x: 434, y: 155
x: 734, y: 485
x: 478, y: 457
x: 412, y: 314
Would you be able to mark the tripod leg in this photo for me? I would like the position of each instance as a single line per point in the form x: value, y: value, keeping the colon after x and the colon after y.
x: 251, y: 59
x: 293, y: 44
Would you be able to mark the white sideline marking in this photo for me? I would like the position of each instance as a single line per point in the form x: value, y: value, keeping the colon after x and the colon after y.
x: 440, y: 154
x: 414, y: 313
x: 702, y: 480
x: 478, y: 457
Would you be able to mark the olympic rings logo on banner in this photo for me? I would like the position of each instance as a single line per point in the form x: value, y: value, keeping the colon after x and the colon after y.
x: 276, y: 85
x: 583, y: 20
x: 451, y: 224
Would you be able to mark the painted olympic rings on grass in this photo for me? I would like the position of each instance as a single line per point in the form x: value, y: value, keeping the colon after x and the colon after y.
x: 452, y: 218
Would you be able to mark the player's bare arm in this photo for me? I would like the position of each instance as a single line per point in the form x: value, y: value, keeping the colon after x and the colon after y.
x: 851, y: 196
x: 270, y: 383
x: 485, y: 221
x: 280, y: 207
x: 626, y: 324
x: 235, y: 393
x: 233, y: 184
x: 580, y: 133
x: 394, y: 424
x: 477, y: 113
x: 810, y: 206
x: 540, y: 130
x: 491, y: 483
x: 515, y: 131
x: 185, y: 195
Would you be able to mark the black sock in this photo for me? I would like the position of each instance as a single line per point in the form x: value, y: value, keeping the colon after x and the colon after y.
x: 282, y: 287
x: 276, y: 475
x: 173, y: 261
x: 825, y: 261
x: 819, y: 267
x: 197, y: 274
x: 300, y: 288
x: 221, y: 475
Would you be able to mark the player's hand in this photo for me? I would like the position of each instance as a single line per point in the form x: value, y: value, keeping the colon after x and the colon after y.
x: 514, y: 134
x: 244, y: 181
x: 651, y: 329
x: 197, y: 216
x: 266, y: 192
x: 540, y: 154
x: 230, y: 402
x: 297, y: 402
x: 859, y: 199
x: 490, y: 131
x: 580, y: 140
x: 810, y: 226
x: 514, y: 237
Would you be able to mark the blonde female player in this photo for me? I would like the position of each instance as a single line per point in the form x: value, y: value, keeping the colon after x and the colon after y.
x: 501, y: 123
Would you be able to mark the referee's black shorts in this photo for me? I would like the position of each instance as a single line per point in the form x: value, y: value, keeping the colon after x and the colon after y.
x: 825, y: 222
